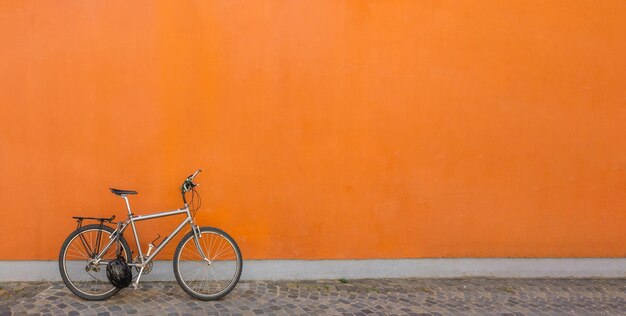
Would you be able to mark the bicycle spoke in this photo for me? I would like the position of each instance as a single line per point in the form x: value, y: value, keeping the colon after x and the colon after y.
x: 208, y: 250
x: 225, y: 249
x: 81, y: 250
x: 194, y: 253
x: 218, y: 248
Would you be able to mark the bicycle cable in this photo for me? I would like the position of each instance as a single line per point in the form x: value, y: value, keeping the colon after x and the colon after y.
x: 195, y: 203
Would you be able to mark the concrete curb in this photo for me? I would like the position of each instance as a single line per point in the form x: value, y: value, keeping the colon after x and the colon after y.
x: 371, y: 268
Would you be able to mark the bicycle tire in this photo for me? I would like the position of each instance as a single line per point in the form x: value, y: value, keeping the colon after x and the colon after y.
x: 235, y: 279
x: 62, y: 264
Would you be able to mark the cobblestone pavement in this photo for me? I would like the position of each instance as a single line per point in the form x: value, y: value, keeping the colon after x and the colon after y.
x: 474, y: 296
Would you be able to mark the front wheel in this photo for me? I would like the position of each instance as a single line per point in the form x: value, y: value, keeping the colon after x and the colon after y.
x: 211, y: 278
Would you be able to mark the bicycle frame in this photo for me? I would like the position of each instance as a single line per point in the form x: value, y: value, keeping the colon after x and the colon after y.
x: 136, y: 218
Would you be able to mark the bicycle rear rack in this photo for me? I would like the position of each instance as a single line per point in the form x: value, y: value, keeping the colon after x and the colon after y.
x: 79, y: 224
x: 79, y: 220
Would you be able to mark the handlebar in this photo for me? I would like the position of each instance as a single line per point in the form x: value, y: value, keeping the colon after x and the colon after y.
x: 188, y: 185
x: 194, y: 175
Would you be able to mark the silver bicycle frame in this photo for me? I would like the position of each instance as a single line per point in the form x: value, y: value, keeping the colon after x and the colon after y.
x: 136, y: 218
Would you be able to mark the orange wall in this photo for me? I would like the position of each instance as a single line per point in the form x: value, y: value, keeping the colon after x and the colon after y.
x: 326, y: 129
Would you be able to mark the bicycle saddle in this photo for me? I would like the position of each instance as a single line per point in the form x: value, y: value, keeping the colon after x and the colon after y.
x: 120, y: 192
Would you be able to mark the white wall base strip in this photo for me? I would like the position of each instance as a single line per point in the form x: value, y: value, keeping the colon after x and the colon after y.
x: 371, y: 268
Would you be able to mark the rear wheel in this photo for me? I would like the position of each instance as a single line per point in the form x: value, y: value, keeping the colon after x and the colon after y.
x: 85, y: 279
x: 208, y: 279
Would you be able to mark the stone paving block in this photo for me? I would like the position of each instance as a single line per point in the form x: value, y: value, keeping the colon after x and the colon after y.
x: 474, y: 296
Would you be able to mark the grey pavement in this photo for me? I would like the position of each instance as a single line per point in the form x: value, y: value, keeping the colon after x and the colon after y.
x: 471, y: 296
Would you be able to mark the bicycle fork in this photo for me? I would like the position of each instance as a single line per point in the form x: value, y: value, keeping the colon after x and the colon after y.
x: 196, y: 240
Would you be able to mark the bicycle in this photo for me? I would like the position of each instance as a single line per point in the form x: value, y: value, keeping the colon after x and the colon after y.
x: 207, y: 268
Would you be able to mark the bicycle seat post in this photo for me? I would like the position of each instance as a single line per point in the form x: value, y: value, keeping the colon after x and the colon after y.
x: 125, y: 197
